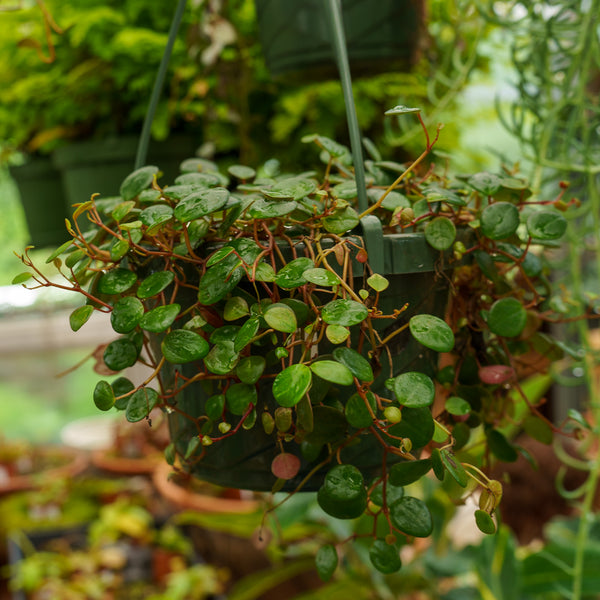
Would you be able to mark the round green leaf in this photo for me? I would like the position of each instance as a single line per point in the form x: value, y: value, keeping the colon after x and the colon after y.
x: 414, y: 389
x: 411, y: 516
x: 457, y: 406
x: 156, y: 215
x: 222, y: 358
x: 80, y: 316
x: 247, y: 331
x: 201, y: 203
x: 332, y: 371
x: 116, y: 281
x: 417, y: 425
x: 135, y: 183
x: 183, y: 346
x: 294, y: 188
x: 264, y: 209
x: 154, y: 284
x: 121, y: 388
x: 250, y: 368
x: 214, y: 407
x: 326, y: 562
x: 392, y: 493
x: 160, y: 318
x: 242, y: 172
x: 440, y: 233
x: 291, y: 384
x: 484, y: 522
x: 292, y: 275
x: 538, y: 429
x: 405, y: 473
x: 343, y: 494
x: 119, y: 249
x: 344, y: 312
x: 239, y: 397
x: 126, y: 314
x: 378, y: 282
x: 340, y: 221
x: 500, y: 447
x: 140, y: 404
x: 300, y: 308
x: 218, y: 281
x: 120, y: 354
x: 235, y: 308
x: 337, y: 334
x: 104, y: 397
x: 219, y: 255
x: 357, y: 413
x: 484, y: 182
x: 264, y: 272
x: 432, y: 332
x: 546, y: 225
x: 507, y: 317
x: 385, y: 557
x: 281, y: 318
x: 321, y: 277
x: 357, y: 364
x: 499, y: 220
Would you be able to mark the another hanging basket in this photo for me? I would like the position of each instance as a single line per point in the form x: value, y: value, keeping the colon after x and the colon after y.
x: 41, y: 192
x: 381, y: 36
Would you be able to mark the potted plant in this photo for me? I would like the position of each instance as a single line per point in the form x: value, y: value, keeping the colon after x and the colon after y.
x: 293, y: 331
x: 283, y: 360
x: 123, y: 554
x: 86, y: 97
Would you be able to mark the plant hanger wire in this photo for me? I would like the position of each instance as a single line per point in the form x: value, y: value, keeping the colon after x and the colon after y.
x: 142, y: 150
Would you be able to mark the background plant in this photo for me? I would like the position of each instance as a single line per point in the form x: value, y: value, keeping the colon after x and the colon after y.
x: 555, y: 116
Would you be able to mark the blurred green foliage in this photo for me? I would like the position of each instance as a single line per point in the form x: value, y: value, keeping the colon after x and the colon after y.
x: 107, y: 56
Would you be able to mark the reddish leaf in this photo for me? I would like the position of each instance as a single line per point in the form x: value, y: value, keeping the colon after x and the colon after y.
x: 496, y: 374
x: 362, y: 256
x: 285, y: 466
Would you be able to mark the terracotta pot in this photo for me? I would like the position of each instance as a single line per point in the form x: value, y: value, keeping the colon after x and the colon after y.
x: 71, y: 463
x: 227, y: 501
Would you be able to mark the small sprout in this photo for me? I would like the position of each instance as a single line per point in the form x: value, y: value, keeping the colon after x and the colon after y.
x: 268, y: 423
x: 402, y: 110
x: 224, y: 427
x: 207, y: 440
x: 393, y: 414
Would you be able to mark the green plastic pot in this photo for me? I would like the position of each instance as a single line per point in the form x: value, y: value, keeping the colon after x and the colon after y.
x: 41, y: 192
x: 381, y: 36
x: 244, y: 460
x: 92, y: 167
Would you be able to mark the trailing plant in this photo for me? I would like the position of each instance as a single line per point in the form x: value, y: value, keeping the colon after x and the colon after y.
x: 255, y: 293
x: 555, y: 116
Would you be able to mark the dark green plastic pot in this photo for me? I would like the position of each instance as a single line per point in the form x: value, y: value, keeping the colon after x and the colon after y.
x: 41, y: 192
x: 381, y: 35
x: 100, y: 166
x: 244, y: 460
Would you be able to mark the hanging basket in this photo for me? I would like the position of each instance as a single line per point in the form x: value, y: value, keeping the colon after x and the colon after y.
x: 41, y: 192
x: 415, y: 273
x: 381, y: 36
x: 99, y: 167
